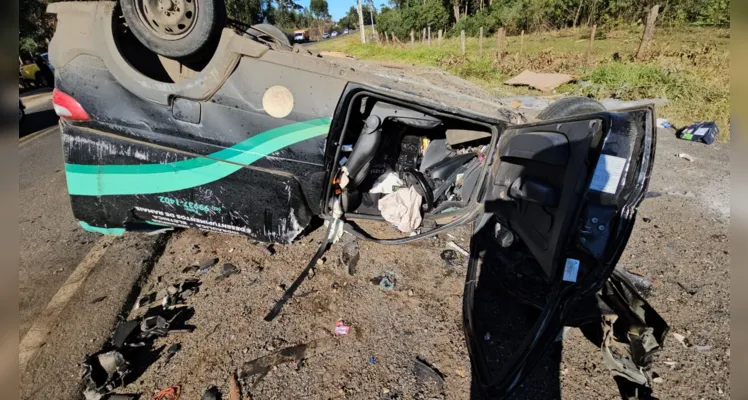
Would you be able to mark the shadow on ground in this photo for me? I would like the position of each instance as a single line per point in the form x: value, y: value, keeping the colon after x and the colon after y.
x: 37, y: 121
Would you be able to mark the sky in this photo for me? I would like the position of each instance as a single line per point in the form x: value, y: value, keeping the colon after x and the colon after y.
x: 338, y: 8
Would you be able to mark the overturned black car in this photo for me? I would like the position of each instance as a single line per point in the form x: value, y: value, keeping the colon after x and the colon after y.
x: 173, y: 117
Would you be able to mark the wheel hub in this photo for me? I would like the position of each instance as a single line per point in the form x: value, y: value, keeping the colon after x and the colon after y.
x: 168, y: 19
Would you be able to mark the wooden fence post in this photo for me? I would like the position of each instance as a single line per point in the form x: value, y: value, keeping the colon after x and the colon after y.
x: 592, y: 40
x: 462, y: 41
x: 480, y: 42
x: 429, y: 33
x: 500, y: 44
x: 440, y: 37
x: 412, y: 39
x: 648, y: 32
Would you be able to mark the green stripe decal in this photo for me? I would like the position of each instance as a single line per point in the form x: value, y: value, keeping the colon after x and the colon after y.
x: 105, y: 231
x: 103, y: 180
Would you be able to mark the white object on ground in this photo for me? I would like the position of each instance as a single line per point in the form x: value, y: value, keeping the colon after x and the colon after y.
x: 540, y: 81
x: 686, y: 157
x: 452, y: 245
x: 385, y: 182
x: 402, y: 209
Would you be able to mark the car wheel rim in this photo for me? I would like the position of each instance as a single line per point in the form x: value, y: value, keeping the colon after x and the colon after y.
x: 168, y: 19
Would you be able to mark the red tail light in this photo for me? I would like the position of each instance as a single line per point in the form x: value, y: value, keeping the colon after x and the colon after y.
x: 66, y: 107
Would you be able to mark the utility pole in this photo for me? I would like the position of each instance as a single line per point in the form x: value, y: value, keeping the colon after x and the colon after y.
x: 361, y: 23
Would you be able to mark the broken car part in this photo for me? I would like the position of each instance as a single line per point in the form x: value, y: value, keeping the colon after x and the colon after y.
x: 170, y: 393
x: 425, y: 371
x: 261, y: 366
x: 102, y: 372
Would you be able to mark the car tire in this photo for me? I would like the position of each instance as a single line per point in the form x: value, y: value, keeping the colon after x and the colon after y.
x: 571, y: 106
x: 188, y: 30
x: 270, y: 30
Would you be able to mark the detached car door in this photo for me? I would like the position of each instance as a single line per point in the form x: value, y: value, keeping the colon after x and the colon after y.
x: 561, y: 198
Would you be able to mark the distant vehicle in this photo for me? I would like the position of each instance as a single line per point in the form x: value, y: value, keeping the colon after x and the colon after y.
x: 334, y: 34
x: 345, y: 31
x: 301, y: 36
x: 325, y: 35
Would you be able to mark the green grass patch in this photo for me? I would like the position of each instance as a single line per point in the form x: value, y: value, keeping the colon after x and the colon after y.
x: 689, y: 67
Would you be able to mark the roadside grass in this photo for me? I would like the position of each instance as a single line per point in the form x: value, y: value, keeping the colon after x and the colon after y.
x: 688, y: 66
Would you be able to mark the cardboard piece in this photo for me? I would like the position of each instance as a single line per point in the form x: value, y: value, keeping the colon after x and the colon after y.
x: 540, y: 81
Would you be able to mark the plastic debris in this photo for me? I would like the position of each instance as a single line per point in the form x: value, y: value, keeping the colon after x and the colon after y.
x: 270, y: 250
x: 386, y: 282
x: 102, y: 372
x: 663, y: 123
x: 170, y: 393
x: 228, y: 270
x: 341, y: 328
x: 372, y: 361
x: 703, y: 348
x: 261, y: 366
x: 191, y: 269
x: 682, y: 339
x: 173, y: 349
x: 425, y: 371
x: 705, y: 132
x: 686, y: 157
x: 452, y: 245
x: 206, y: 265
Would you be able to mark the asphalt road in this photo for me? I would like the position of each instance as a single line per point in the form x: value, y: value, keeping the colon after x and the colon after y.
x: 73, y: 285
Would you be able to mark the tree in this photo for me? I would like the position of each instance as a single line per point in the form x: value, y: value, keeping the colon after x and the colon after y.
x: 319, y: 8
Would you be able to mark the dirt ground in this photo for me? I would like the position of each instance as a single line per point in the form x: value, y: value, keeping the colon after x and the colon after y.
x: 680, y: 242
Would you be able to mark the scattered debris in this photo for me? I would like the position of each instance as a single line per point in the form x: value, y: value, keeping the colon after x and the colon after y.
x: 682, y: 339
x: 154, y: 326
x: 687, y: 289
x: 640, y: 283
x: 341, y: 328
x: 651, y: 195
x: 372, y: 361
x: 703, y: 348
x: 205, y: 266
x: 119, y: 396
x: 647, y: 220
x: 98, y: 299
x: 541, y: 81
x: 173, y: 349
x: 451, y: 258
x: 386, y: 282
x: 686, y: 157
x: 102, y: 372
x: 487, y: 336
x: 228, y: 270
x: 211, y: 394
x: 452, y: 245
x: 170, y: 393
x: 270, y: 250
x: 671, y: 364
x: 191, y: 269
x: 350, y: 256
x: 705, y: 132
x: 663, y: 123
x: 261, y: 366
x: 657, y: 380
x: 460, y: 372
x: 424, y: 371
x: 234, y: 392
